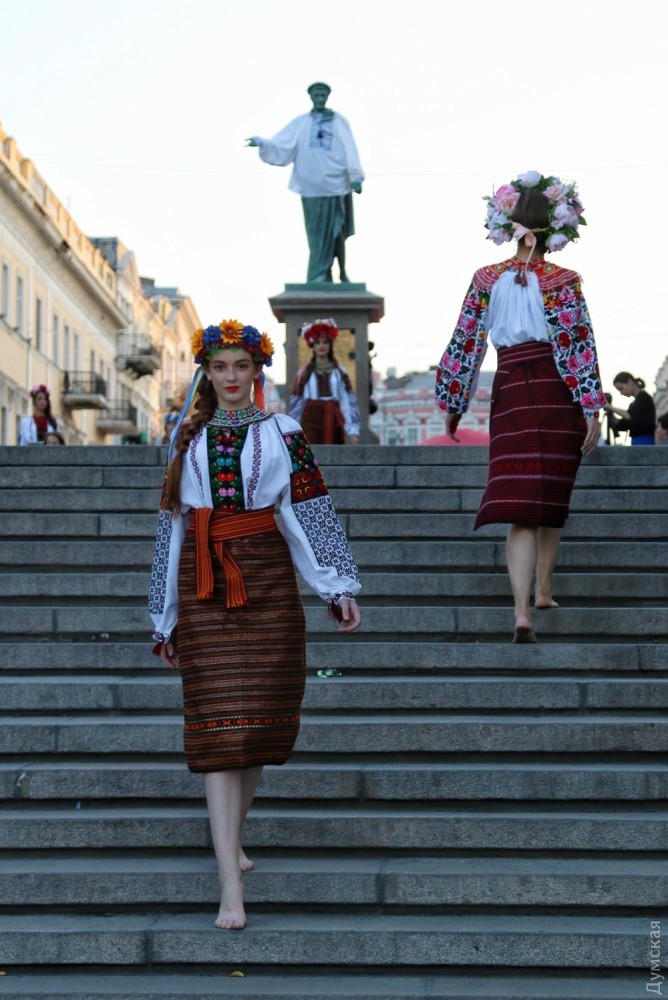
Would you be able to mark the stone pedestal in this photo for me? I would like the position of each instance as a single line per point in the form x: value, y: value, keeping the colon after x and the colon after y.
x: 352, y: 309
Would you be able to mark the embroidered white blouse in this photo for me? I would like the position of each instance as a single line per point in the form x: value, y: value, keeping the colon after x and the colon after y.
x: 277, y: 468
x: 337, y: 391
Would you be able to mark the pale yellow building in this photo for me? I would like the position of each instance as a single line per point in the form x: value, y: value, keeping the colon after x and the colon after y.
x: 76, y: 315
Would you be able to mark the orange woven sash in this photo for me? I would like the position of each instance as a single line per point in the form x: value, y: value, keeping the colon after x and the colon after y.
x: 218, y: 527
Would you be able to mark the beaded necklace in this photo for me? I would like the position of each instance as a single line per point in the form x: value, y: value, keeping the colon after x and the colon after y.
x: 237, y: 418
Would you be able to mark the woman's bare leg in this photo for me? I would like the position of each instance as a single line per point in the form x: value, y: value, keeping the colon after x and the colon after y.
x: 548, y: 550
x: 521, y: 558
x: 224, y: 801
x: 250, y: 778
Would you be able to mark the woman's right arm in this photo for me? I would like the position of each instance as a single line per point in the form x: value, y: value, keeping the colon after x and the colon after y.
x: 163, y: 594
x: 456, y: 375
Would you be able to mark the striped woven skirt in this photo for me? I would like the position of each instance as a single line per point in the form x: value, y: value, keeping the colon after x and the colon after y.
x: 243, y: 668
x: 536, y: 433
x: 322, y: 422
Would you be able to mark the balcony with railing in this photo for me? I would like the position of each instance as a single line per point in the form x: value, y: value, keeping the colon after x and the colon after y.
x: 136, y: 353
x: 84, y: 391
x: 120, y: 417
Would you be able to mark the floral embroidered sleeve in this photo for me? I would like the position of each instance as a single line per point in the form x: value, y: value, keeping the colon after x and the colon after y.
x: 318, y: 545
x: 456, y: 375
x: 573, y: 345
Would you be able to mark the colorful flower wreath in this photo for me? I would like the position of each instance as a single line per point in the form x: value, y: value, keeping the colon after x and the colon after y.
x: 39, y: 388
x: 564, y: 211
x: 326, y: 328
x: 231, y: 334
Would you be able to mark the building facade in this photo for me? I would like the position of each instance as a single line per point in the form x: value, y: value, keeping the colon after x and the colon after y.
x: 408, y: 415
x: 76, y: 315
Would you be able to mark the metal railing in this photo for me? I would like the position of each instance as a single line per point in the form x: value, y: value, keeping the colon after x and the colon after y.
x: 84, y: 384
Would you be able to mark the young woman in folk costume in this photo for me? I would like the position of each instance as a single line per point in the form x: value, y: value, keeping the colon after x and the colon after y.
x: 33, y: 430
x: 323, y: 401
x: 547, y: 389
x: 224, y: 596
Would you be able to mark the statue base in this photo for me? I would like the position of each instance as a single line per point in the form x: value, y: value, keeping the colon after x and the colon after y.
x: 353, y: 308
x: 327, y: 286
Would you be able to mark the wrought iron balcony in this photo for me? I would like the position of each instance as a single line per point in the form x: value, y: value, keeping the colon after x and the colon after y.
x: 84, y: 391
x: 120, y: 417
x: 137, y: 354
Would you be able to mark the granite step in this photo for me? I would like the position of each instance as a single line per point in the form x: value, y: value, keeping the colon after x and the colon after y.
x: 527, y: 827
x: 96, y: 652
x: 409, y: 778
x: 469, y: 556
x: 158, y: 693
x: 369, y: 733
x: 405, y: 526
x: 329, y: 880
x: 474, y: 588
x: 501, y: 983
x: 601, y: 942
x: 447, y: 500
x: 621, y: 623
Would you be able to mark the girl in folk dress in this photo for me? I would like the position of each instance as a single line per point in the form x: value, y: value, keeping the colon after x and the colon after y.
x: 547, y: 389
x: 224, y: 596
x: 322, y: 399
x: 33, y: 430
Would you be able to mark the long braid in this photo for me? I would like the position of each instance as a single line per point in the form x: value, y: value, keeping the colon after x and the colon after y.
x: 204, y: 408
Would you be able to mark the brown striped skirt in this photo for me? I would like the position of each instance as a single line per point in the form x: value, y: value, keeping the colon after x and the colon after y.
x: 536, y: 433
x: 243, y: 669
x: 322, y: 422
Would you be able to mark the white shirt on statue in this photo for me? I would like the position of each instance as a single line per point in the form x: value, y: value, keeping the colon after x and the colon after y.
x: 323, y: 151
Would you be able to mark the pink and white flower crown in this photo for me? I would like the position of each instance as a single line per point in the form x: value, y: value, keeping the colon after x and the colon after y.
x: 564, y: 209
x: 326, y: 328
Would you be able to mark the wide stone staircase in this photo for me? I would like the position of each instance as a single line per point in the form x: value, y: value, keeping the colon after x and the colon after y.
x: 462, y: 817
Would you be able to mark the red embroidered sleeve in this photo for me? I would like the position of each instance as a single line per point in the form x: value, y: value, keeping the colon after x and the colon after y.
x: 461, y: 359
x: 573, y: 345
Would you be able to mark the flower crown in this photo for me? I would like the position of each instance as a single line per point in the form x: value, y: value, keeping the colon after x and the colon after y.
x: 326, y: 328
x: 40, y: 388
x: 231, y: 334
x: 564, y: 210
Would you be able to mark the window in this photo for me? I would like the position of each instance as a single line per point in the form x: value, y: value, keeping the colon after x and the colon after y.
x: 92, y: 362
x: 412, y: 435
x: 56, y: 338
x: 39, y: 323
x: 3, y: 426
x: 66, y: 347
x: 4, y: 294
x: 77, y: 353
x: 19, y: 304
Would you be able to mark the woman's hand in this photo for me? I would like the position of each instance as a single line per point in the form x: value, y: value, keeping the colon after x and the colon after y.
x: 592, y: 436
x: 351, y: 615
x: 353, y: 439
x: 169, y: 655
x: 451, y: 425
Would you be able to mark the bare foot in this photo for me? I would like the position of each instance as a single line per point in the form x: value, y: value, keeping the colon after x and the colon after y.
x: 523, y: 628
x: 245, y: 863
x: 231, y: 915
x: 524, y: 634
x: 544, y: 601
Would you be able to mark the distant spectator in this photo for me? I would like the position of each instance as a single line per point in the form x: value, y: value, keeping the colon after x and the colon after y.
x: 33, y: 430
x: 54, y: 437
x: 661, y: 432
x: 640, y: 418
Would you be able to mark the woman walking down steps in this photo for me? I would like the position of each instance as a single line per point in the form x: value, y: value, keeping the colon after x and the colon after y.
x: 224, y: 596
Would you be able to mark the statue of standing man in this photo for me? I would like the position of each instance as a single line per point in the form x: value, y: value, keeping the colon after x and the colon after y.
x: 326, y: 170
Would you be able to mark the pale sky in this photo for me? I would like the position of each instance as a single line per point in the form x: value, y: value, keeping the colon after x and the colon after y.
x: 135, y: 113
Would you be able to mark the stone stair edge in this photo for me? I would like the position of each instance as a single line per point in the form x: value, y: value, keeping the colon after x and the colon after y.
x: 381, y: 984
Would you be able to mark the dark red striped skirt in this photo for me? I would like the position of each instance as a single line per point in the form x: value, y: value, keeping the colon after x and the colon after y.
x: 322, y: 422
x: 243, y: 669
x: 536, y: 433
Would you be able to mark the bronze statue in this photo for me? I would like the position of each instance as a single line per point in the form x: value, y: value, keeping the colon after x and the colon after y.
x: 326, y: 170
